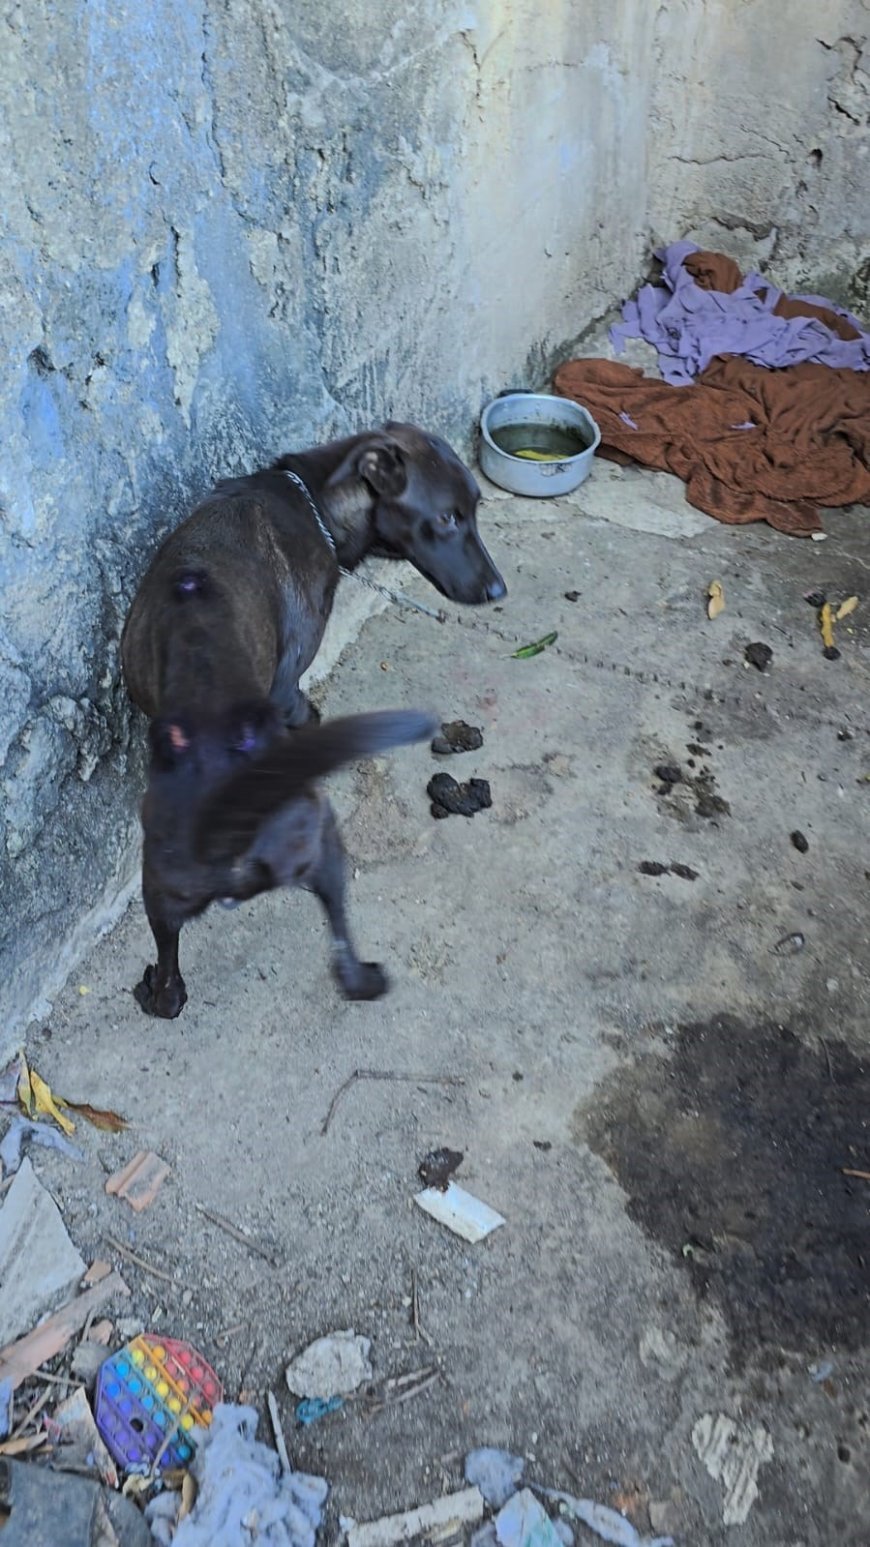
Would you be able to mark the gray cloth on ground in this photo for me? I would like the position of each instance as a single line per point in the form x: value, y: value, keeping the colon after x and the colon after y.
x: 243, y: 1496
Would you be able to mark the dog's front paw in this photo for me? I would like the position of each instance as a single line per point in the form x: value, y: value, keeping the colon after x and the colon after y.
x: 362, y: 980
x: 166, y: 1001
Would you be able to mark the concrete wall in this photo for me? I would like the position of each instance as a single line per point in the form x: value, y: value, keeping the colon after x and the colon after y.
x: 232, y: 226
x: 762, y: 142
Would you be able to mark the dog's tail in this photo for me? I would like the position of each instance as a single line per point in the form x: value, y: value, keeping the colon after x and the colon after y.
x: 229, y: 819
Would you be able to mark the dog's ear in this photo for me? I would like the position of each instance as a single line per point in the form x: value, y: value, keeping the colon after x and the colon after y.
x: 383, y: 468
x: 171, y: 739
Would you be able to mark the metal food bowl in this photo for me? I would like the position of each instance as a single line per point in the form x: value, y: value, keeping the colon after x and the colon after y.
x: 527, y: 442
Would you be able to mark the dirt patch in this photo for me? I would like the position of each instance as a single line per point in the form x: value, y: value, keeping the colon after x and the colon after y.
x: 732, y: 1152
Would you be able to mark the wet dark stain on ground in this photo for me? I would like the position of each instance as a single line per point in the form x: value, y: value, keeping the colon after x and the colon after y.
x: 731, y: 1150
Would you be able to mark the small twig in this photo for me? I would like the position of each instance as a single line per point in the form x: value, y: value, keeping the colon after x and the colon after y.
x: 384, y: 1074
x: 139, y: 1262
x: 406, y: 1395
x: 155, y: 1465
x: 236, y: 1233
x: 863, y: 1176
x: 419, y: 1331
x: 222, y: 1337
x: 56, y: 1380
x: 29, y: 1416
x: 280, y: 1444
x: 828, y: 1057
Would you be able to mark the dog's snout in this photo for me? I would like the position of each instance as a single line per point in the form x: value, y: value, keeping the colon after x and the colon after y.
x: 496, y: 589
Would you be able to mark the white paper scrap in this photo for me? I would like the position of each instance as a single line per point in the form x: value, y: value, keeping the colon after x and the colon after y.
x: 459, y: 1211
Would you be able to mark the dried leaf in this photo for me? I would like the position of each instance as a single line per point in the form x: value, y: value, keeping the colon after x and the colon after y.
x: 45, y: 1101
x: 105, y: 1119
x: 826, y: 625
x: 716, y: 604
x: 188, y: 1496
x: 846, y: 607
x: 526, y: 652
x: 25, y: 1090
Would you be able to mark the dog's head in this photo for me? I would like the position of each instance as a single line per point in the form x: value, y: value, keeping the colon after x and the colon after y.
x: 424, y: 503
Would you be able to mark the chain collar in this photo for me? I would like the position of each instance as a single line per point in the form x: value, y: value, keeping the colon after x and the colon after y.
x: 306, y: 492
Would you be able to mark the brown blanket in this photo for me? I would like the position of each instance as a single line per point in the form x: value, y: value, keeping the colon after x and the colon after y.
x: 810, y: 444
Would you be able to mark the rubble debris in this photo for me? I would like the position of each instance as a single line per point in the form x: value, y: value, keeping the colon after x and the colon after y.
x: 39, y: 1506
x: 716, y: 599
x: 331, y: 1366
x: 441, y: 1519
x: 605, y: 1522
x: 495, y: 1472
x: 572, y: 596
x: 654, y: 867
x: 86, y: 1361
x: 20, y: 1359
x: 23, y: 1131
x: 758, y: 655
x: 465, y: 1215
x: 81, y: 1445
x: 449, y: 798
x: 139, y: 1182
x: 457, y: 736
x: 526, y: 652
x: 523, y: 1522
x: 790, y: 945
x: 436, y: 1168
x: 239, y: 1481
x: 39, y: 1264
x: 733, y: 1454
x: 799, y: 841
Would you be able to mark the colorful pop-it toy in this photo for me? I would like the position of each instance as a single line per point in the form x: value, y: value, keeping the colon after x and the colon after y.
x: 153, y: 1388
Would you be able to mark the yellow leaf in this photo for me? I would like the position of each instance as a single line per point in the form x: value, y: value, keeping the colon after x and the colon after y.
x: 846, y: 607
x: 44, y: 1101
x: 716, y: 604
x: 25, y: 1090
x: 108, y: 1121
x: 188, y: 1496
x: 826, y: 626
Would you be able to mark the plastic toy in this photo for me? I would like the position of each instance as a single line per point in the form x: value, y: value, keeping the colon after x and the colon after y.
x: 149, y: 1398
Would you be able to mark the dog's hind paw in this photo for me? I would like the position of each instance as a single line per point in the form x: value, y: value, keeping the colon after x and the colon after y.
x: 166, y: 1002
x: 361, y: 980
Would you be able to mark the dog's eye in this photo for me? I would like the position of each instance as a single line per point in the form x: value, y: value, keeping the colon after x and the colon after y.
x: 446, y: 521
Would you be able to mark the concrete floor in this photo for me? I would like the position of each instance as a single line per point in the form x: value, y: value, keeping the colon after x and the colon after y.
x: 657, y: 1100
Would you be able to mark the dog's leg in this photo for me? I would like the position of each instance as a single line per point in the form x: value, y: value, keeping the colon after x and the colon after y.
x: 356, y: 979
x: 292, y: 704
x: 162, y: 991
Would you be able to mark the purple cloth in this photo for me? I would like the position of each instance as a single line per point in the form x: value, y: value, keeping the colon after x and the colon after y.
x: 690, y: 326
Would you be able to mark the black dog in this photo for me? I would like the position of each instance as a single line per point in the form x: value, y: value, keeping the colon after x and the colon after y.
x: 227, y: 619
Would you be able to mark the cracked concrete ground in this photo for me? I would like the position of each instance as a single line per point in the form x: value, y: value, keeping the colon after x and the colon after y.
x: 658, y: 1101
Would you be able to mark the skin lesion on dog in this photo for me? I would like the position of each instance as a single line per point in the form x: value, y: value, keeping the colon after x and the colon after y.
x: 229, y: 616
